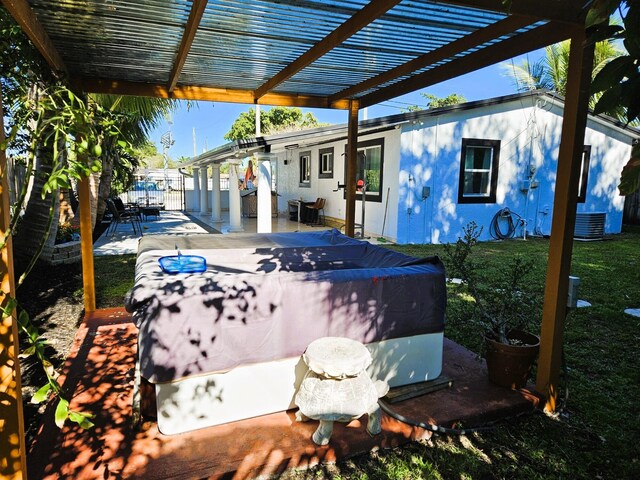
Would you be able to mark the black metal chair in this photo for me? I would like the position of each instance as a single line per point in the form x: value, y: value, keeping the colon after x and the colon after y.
x: 123, y: 215
x: 317, y: 218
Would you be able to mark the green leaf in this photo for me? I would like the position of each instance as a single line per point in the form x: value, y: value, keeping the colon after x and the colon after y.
x: 605, y: 32
x: 81, y: 419
x: 8, y: 309
x: 48, y: 367
x: 630, y: 177
x: 609, y: 100
x: 600, y: 12
x: 28, y: 352
x: 632, y: 44
x: 23, y: 318
x: 62, y: 412
x: 632, y: 18
x: 630, y: 98
x: 33, y: 333
x: 76, y: 416
x: 41, y: 394
x: 86, y: 424
x: 612, y: 73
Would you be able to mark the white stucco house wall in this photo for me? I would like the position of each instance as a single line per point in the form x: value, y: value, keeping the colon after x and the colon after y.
x: 439, y: 169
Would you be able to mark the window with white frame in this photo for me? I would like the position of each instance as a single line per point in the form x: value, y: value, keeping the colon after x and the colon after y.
x: 305, y: 169
x: 326, y: 163
x: 478, y: 170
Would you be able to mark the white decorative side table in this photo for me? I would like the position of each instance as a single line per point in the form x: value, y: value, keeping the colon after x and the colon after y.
x: 337, y: 386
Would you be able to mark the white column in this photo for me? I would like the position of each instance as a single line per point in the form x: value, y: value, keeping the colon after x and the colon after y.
x: 196, y: 189
x: 204, y: 192
x: 215, y: 203
x: 264, y: 192
x: 235, y: 219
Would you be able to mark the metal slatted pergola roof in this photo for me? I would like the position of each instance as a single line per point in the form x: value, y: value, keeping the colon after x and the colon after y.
x: 313, y: 53
x: 344, y: 54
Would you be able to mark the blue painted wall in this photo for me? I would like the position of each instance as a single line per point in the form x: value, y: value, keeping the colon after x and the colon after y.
x: 529, y: 132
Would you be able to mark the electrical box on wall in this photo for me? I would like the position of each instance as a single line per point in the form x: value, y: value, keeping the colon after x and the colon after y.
x: 426, y: 191
x: 526, y: 185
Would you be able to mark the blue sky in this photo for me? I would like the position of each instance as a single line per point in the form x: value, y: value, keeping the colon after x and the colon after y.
x: 212, y: 120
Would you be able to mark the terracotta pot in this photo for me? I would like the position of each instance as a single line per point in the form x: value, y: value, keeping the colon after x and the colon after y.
x: 510, y: 365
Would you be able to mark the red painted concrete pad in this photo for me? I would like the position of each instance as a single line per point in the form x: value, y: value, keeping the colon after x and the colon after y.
x: 99, y: 377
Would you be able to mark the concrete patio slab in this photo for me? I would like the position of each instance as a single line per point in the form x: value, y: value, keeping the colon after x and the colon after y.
x: 99, y: 379
x: 125, y: 241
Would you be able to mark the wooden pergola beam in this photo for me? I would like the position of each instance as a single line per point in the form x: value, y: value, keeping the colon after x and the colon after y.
x: 11, y: 419
x: 564, y: 216
x: 26, y: 18
x: 474, y: 39
x: 212, y: 94
x: 193, y: 22
x: 526, y: 42
x: 363, y: 17
x: 565, y: 11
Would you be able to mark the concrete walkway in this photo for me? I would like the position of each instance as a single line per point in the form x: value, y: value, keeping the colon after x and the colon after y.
x: 125, y: 241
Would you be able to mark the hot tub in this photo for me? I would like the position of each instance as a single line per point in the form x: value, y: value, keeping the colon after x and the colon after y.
x: 226, y: 344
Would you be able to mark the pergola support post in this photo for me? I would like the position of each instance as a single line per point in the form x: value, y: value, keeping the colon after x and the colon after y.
x: 204, y: 192
x: 216, y: 210
x: 264, y: 192
x: 235, y: 219
x: 13, y: 464
x: 564, y: 217
x: 196, y: 189
x: 86, y: 245
x: 352, y: 167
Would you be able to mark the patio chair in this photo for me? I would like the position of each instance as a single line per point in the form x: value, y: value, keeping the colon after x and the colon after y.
x: 317, y: 215
x: 123, y: 215
x: 122, y: 208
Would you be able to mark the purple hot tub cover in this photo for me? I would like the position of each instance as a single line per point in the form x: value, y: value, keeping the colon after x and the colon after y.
x: 269, y: 301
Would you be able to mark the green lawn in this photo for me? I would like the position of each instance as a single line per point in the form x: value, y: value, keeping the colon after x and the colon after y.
x: 595, y: 436
x: 114, y: 275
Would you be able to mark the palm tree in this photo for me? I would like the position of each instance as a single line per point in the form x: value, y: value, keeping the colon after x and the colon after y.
x: 40, y: 209
x: 138, y: 116
x: 550, y: 72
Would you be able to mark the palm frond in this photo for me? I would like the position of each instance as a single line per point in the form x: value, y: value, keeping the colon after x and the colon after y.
x: 140, y: 114
x: 527, y: 76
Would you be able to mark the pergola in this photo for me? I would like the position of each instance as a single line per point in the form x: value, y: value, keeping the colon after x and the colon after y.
x: 341, y: 54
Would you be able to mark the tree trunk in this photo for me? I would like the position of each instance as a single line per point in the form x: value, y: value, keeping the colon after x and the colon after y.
x: 32, y: 227
x: 66, y: 211
x: 104, y: 188
x: 94, y: 182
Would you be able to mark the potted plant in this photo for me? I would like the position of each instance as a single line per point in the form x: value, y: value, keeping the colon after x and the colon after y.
x: 504, y: 305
